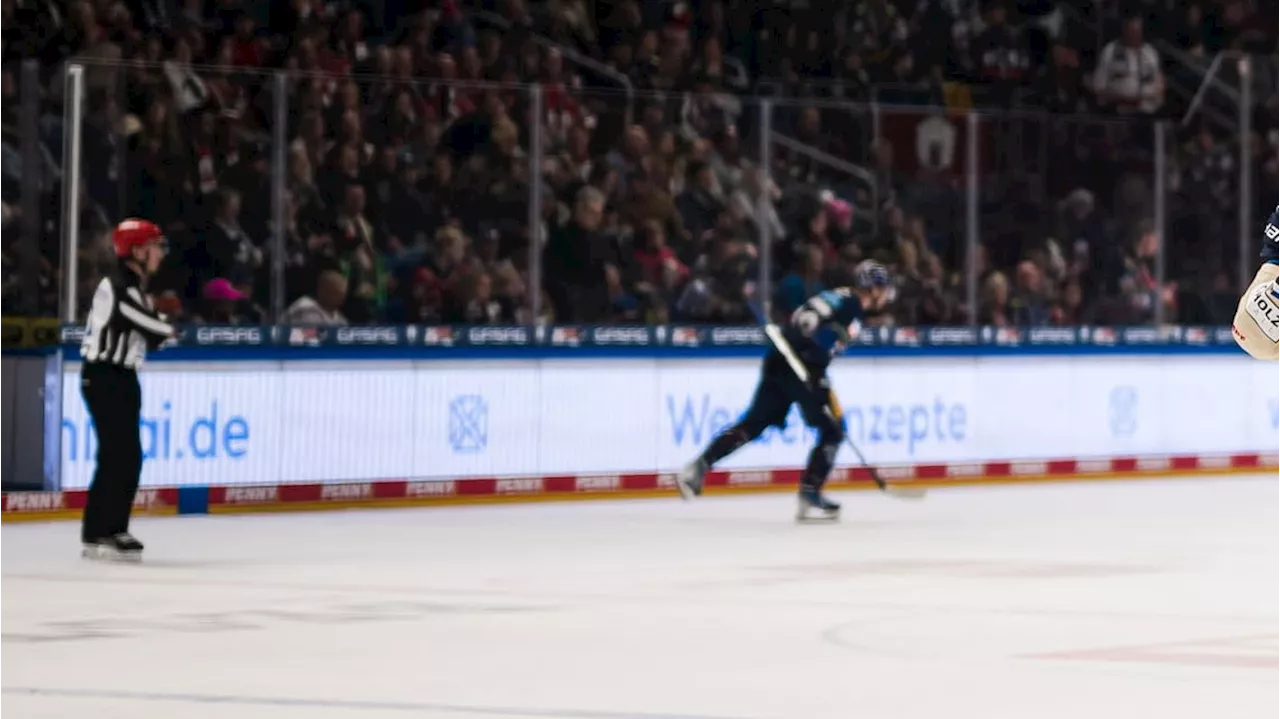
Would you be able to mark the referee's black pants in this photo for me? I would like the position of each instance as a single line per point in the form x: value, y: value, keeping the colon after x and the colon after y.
x: 115, y: 404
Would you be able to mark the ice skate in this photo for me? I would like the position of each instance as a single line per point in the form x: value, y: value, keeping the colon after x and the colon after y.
x: 122, y: 547
x: 690, y: 477
x: 815, y: 505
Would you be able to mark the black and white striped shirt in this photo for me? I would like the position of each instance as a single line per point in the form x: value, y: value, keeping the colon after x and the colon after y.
x: 123, y: 324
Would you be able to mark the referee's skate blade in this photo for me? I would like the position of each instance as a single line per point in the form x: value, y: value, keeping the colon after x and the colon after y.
x: 102, y: 553
x: 818, y: 519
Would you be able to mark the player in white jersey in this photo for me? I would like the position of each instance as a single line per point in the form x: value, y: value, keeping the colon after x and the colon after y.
x: 1255, y: 325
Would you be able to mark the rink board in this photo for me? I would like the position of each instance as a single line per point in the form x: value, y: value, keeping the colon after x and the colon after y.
x: 251, y: 423
x: 36, y: 506
x: 249, y: 434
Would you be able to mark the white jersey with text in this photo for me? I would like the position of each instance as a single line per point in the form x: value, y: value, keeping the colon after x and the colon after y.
x: 1256, y: 327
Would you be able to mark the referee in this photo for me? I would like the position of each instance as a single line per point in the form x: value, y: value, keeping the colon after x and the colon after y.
x: 122, y: 326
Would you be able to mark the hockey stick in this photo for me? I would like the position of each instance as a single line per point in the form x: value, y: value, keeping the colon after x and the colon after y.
x: 784, y: 348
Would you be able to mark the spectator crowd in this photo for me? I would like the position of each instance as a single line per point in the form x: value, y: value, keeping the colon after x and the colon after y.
x: 425, y: 182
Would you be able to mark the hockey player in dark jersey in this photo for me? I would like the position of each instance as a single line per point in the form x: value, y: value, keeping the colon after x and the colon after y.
x: 817, y: 331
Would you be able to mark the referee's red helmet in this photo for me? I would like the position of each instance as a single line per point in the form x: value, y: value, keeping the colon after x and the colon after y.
x: 134, y: 233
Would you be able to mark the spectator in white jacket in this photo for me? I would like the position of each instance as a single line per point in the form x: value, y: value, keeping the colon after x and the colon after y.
x: 1128, y: 77
x: 324, y: 308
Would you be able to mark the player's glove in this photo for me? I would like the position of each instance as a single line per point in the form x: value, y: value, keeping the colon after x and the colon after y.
x: 1271, y: 238
x: 1256, y: 323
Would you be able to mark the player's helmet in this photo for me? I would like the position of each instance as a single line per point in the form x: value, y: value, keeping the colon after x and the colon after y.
x: 134, y: 233
x: 870, y: 273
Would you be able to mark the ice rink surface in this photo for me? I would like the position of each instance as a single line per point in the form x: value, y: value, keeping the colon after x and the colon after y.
x: 1144, y: 599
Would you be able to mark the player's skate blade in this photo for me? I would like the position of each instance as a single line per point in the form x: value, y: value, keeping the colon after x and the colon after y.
x: 689, y: 479
x: 121, y: 547
x: 813, y: 505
